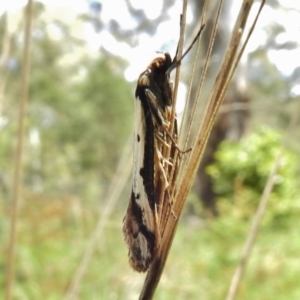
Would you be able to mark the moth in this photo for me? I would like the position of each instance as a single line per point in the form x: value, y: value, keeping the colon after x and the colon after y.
x: 154, y: 161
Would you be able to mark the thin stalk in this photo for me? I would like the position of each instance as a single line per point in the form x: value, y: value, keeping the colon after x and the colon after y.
x: 17, y: 175
x: 118, y: 183
x: 221, y: 83
x: 253, y: 232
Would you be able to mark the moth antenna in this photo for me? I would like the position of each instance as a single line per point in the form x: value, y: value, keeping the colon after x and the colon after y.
x: 176, y: 62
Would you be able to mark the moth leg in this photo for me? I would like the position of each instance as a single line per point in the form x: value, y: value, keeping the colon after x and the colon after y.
x: 161, y: 162
x: 158, y: 114
x: 162, y: 140
x: 160, y: 148
x: 161, y: 120
x: 176, y: 145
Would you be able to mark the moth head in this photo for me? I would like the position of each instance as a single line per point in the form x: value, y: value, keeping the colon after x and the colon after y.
x: 156, y: 78
x: 162, y: 62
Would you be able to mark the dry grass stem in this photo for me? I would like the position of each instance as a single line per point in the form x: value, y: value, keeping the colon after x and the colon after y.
x: 5, y: 53
x: 253, y: 231
x: 180, y: 190
x: 17, y: 174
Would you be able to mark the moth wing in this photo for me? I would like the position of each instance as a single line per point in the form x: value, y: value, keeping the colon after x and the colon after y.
x: 140, y: 223
x: 138, y: 185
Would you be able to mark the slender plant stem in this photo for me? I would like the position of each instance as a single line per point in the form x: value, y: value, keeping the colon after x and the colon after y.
x: 155, y: 271
x: 182, y: 188
x: 17, y: 175
x: 5, y: 52
x: 253, y: 232
x: 118, y: 183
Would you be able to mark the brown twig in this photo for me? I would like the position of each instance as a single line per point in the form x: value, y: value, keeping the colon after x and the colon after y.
x: 5, y: 51
x: 223, y: 78
x: 17, y: 177
x: 155, y: 271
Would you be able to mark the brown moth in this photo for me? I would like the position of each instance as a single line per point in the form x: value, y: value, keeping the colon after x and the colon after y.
x: 152, y: 120
x: 154, y: 165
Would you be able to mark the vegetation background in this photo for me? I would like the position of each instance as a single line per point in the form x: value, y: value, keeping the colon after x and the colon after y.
x: 77, y: 166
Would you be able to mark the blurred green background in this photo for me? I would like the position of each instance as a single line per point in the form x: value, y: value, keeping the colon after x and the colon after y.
x: 77, y: 163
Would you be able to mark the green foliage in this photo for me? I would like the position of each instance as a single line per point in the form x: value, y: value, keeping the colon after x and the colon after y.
x: 241, y: 170
x: 54, y: 233
x: 79, y: 113
x: 79, y: 116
